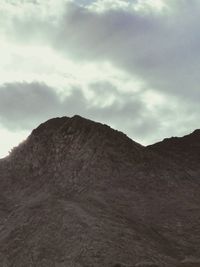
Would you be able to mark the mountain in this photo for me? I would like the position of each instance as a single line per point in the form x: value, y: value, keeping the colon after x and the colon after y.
x: 78, y: 193
x: 184, y: 151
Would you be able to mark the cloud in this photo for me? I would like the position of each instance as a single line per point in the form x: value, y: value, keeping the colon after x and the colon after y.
x: 157, y: 48
x: 160, y: 48
x: 25, y: 105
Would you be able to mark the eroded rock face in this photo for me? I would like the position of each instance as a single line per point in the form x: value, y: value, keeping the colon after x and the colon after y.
x: 78, y: 193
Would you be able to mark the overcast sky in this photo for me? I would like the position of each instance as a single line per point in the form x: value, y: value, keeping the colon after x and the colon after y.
x: 131, y: 64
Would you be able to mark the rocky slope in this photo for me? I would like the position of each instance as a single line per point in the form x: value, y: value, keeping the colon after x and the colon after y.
x: 184, y: 151
x: 78, y: 193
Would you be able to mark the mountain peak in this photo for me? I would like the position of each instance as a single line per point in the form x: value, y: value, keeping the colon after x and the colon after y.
x: 59, y: 141
x: 50, y: 125
x: 184, y: 151
x: 78, y: 193
x: 196, y: 132
x: 64, y: 127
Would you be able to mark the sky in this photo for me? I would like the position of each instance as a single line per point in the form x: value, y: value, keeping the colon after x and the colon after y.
x: 132, y: 64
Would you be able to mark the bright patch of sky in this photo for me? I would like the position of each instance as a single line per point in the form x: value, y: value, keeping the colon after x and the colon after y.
x: 10, y: 139
x: 140, y: 5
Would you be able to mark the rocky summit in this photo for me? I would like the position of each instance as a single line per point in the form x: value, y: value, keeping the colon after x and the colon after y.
x: 78, y: 193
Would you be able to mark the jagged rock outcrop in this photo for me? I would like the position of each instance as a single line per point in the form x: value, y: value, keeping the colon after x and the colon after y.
x: 78, y: 193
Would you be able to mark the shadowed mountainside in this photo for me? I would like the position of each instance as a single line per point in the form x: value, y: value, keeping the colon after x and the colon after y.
x: 184, y: 151
x: 78, y: 193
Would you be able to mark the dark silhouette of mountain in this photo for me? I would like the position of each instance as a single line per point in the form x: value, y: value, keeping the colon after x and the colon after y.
x: 78, y: 193
x: 184, y: 151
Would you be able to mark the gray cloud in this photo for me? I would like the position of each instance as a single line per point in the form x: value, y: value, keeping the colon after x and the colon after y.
x: 25, y: 105
x: 22, y: 105
x: 161, y: 49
